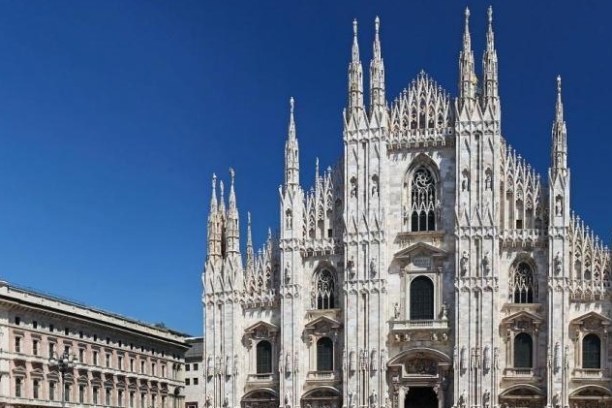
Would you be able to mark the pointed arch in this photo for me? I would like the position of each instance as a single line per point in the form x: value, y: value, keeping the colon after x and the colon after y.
x: 523, y: 281
x: 325, y: 287
x: 422, y: 194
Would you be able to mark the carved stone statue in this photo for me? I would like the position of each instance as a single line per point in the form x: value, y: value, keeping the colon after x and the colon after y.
x: 557, y: 263
x: 288, y: 365
x: 486, y: 263
x: 396, y: 310
x: 463, y: 263
x: 559, y: 206
x: 373, y: 270
x: 557, y: 357
x: 487, y: 359
x: 463, y: 359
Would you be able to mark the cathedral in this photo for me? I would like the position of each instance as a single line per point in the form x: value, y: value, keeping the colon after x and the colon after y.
x: 432, y: 267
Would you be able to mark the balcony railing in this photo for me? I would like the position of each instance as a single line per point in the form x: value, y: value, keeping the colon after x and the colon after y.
x: 521, y: 372
x: 323, y: 376
x: 262, y: 378
x: 590, y: 373
x: 404, y: 325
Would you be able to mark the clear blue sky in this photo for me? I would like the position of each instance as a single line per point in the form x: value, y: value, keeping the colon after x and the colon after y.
x: 114, y: 114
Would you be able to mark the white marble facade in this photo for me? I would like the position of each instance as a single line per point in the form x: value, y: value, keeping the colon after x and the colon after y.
x: 431, y: 267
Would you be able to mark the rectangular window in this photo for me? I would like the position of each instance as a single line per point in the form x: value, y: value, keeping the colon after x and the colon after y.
x: 17, y: 320
x: 82, y: 356
x: 187, y: 367
x: 108, y: 396
x: 67, y: 350
x: 52, y: 391
x: 120, y: 362
x: 195, y: 381
x: 120, y: 398
x: 108, y: 360
x: 131, y: 399
x: 51, y: 349
x: 195, y: 366
x: 163, y: 404
x: 18, y: 387
x: 153, y: 400
x: 519, y: 224
x: 67, y: 392
x: 152, y: 368
x: 81, y: 394
x: 143, y: 400
x: 163, y: 370
x: 131, y: 364
x: 66, y: 331
x: 142, y: 367
x: 95, y: 358
x: 94, y: 394
x: 35, y: 389
x: 187, y: 381
x: 35, y: 347
x: 17, y: 344
x: 35, y: 324
x: 80, y: 334
x: 51, y: 328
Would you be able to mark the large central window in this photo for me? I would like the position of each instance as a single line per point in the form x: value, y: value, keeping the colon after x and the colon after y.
x: 422, y: 201
x: 421, y: 299
x: 523, y: 351
x: 264, y: 357
x: 325, y: 354
x: 591, y: 351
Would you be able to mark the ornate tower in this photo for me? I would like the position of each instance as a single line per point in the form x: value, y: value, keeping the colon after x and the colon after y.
x: 478, y: 147
x: 292, y: 278
x: 559, y: 254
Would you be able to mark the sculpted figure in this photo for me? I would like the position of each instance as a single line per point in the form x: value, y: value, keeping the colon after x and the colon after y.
x: 463, y: 263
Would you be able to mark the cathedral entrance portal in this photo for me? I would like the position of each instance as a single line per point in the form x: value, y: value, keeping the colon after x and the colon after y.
x: 421, y: 397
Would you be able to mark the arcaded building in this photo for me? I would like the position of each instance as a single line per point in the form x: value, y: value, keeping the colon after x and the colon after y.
x: 114, y: 361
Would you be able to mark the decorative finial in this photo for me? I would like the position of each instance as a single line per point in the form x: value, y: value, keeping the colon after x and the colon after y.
x: 214, y: 182
x: 490, y: 14
x: 355, y: 28
x: 291, y: 105
x: 232, y: 174
x: 467, y: 15
x: 221, y: 188
x: 317, y: 167
x: 377, y: 25
x: 249, y: 218
x: 559, y: 84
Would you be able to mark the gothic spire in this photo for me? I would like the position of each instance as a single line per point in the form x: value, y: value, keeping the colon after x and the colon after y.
x: 232, y: 232
x: 213, y: 197
x: 250, y: 253
x: 489, y: 63
x: 292, y: 159
x: 221, y: 199
x: 377, y: 71
x: 559, y: 135
x: 213, y: 219
x: 467, y: 76
x: 355, y: 83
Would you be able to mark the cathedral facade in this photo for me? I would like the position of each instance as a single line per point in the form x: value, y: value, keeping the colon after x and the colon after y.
x: 432, y: 267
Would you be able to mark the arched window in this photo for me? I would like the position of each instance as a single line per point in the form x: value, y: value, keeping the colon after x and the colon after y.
x: 523, y: 351
x: 325, y: 354
x: 325, y: 290
x: 422, y: 200
x: 524, y: 286
x: 591, y: 351
x: 264, y: 357
x: 421, y: 299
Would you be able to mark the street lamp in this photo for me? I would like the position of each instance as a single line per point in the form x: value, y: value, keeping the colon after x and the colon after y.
x: 64, y: 363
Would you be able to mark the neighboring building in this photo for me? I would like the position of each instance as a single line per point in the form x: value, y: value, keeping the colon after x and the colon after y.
x: 431, y: 267
x: 120, y: 362
x: 194, y: 384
